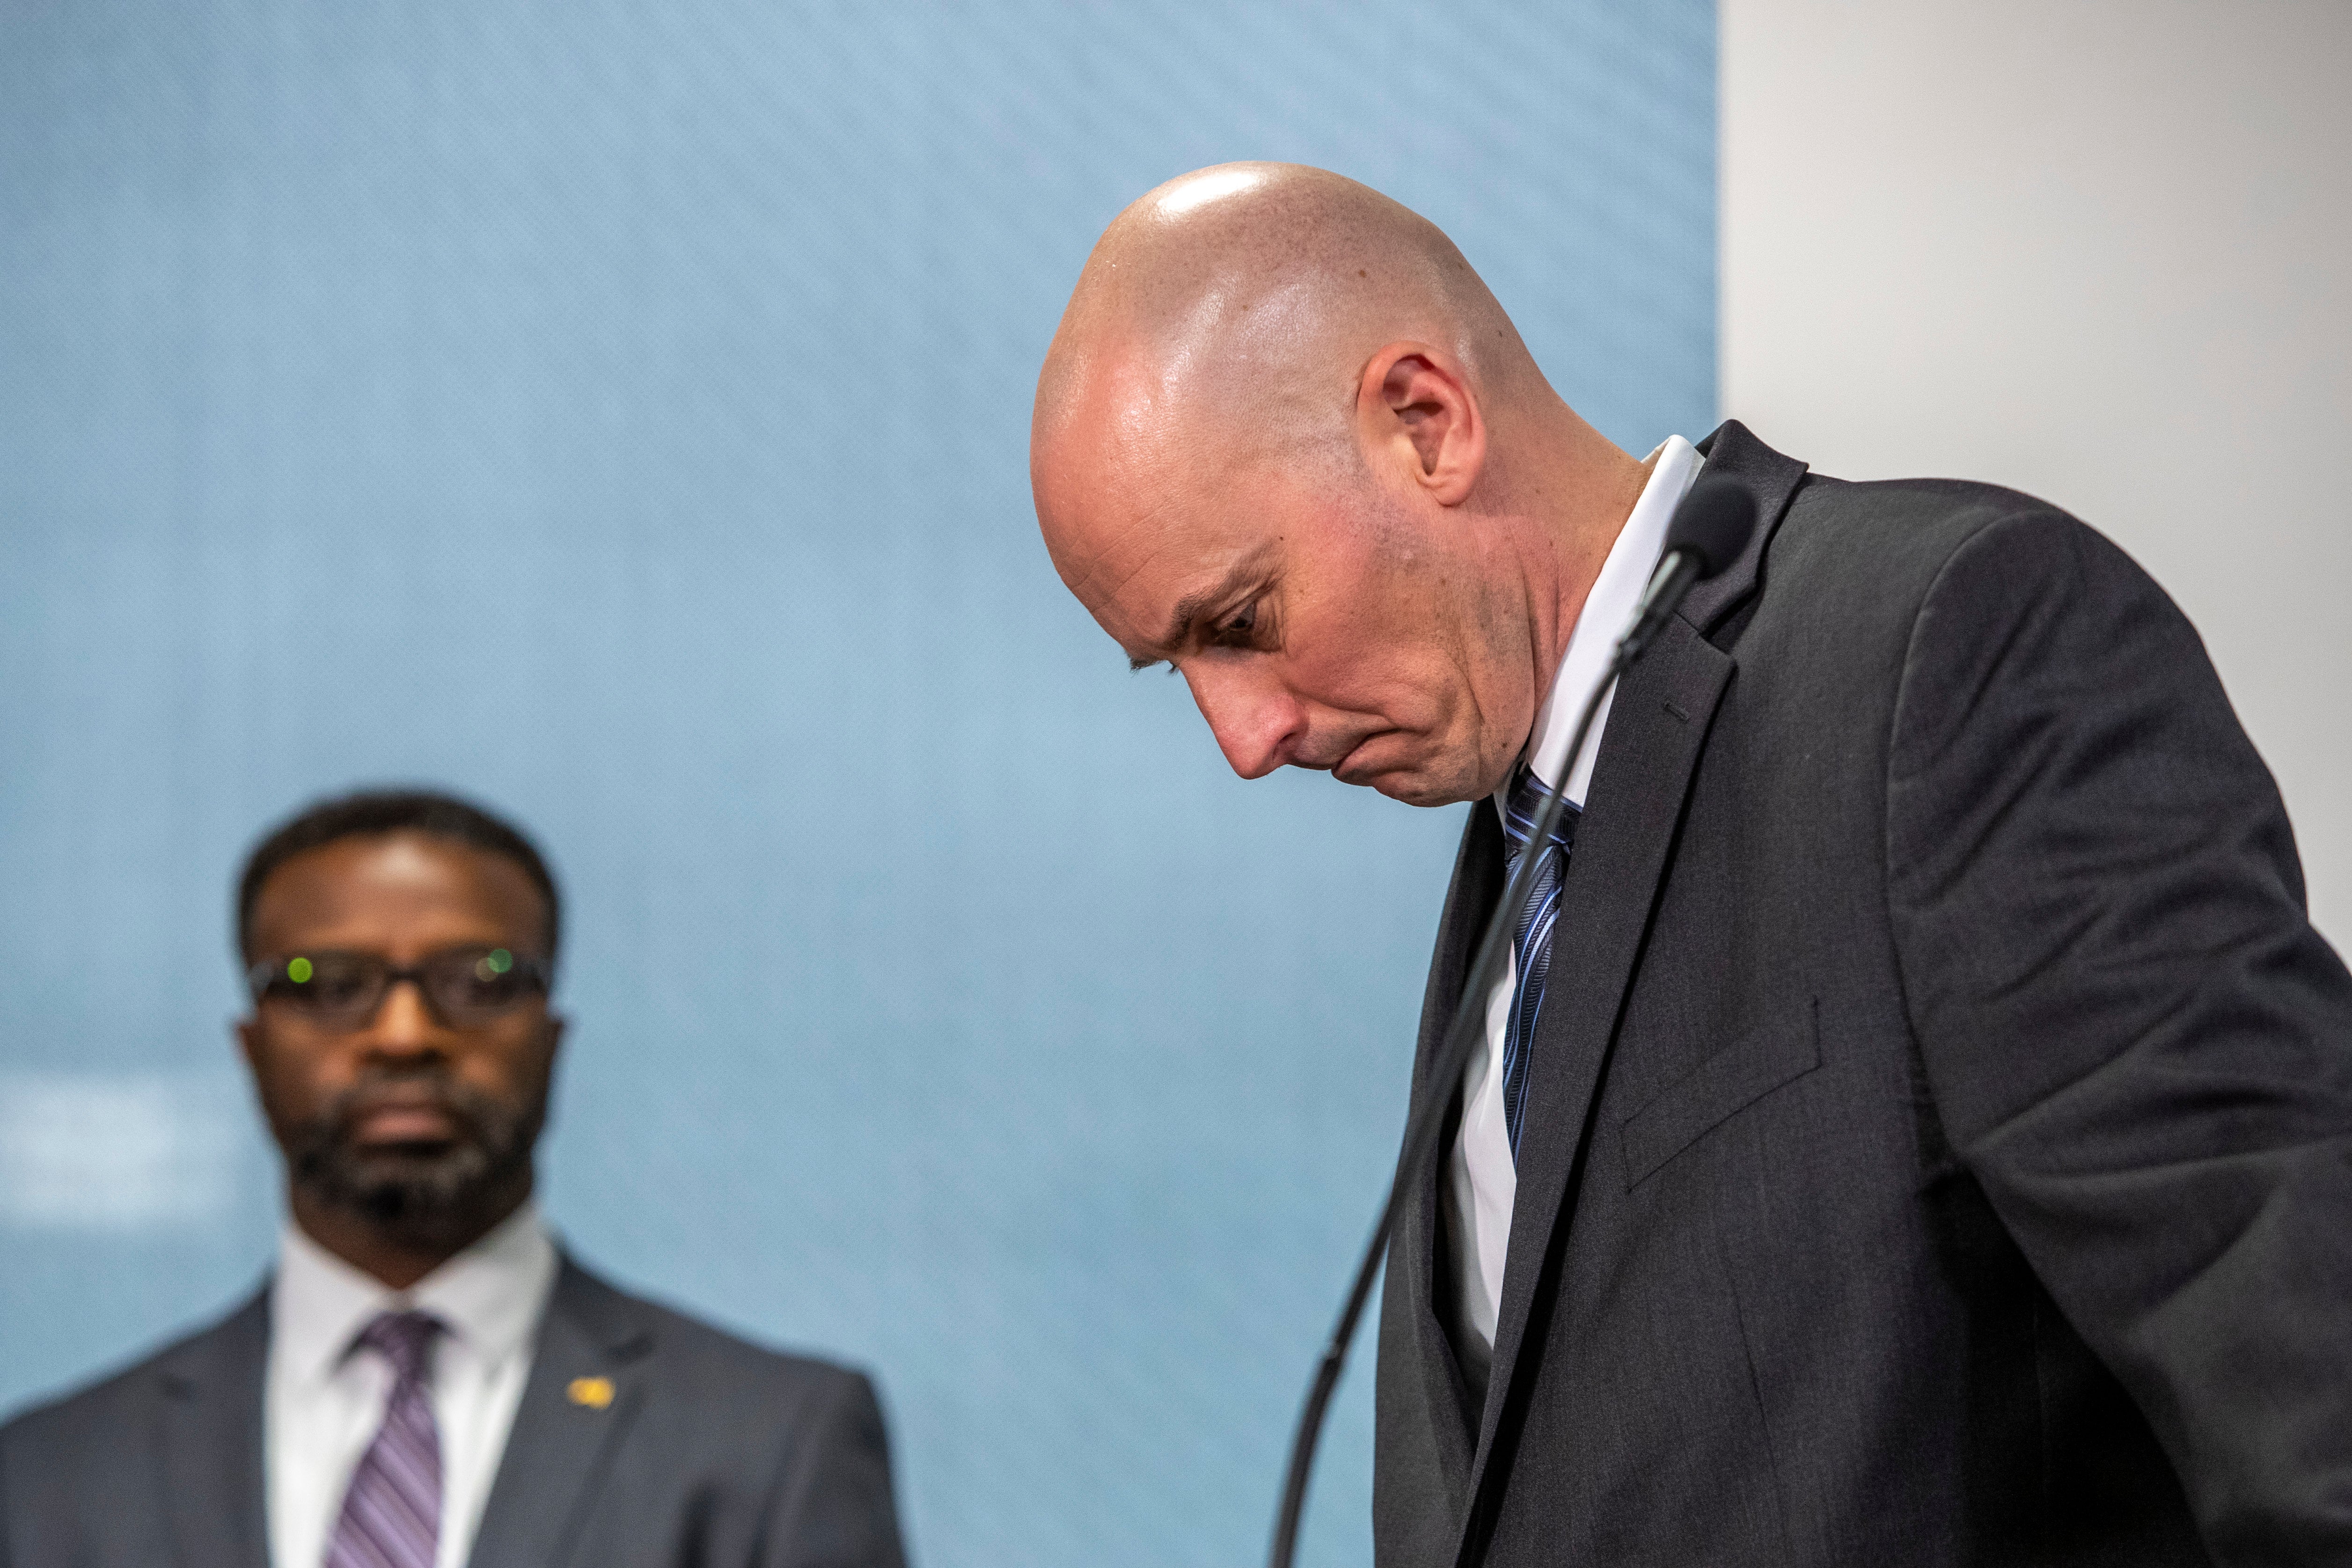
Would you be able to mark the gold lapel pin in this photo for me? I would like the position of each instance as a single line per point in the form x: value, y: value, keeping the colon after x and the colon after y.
x: 596, y: 1393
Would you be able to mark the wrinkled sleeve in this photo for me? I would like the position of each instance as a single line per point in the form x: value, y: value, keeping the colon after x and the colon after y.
x: 2136, y: 1041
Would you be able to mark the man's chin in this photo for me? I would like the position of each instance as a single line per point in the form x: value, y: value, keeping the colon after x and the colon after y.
x: 1388, y: 762
x: 420, y: 1190
x: 1413, y: 787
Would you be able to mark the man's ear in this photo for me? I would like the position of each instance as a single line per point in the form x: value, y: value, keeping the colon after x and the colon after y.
x: 1414, y: 406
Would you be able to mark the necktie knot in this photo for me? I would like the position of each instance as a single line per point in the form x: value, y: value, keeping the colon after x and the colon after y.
x: 404, y: 1338
x: 1527, y: 798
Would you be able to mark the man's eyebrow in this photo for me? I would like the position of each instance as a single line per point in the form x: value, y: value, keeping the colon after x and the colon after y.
x: 1192, y: 606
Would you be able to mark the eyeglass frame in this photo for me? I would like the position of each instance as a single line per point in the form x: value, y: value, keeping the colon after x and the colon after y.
x: 539, y: 972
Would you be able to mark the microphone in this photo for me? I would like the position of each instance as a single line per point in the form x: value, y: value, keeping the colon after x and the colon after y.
x: 1709, y: 530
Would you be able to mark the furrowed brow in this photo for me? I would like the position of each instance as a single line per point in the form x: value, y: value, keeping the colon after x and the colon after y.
x: 1193, y: 606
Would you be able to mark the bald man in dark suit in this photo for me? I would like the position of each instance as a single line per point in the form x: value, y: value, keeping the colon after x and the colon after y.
x: 1916, y: 1125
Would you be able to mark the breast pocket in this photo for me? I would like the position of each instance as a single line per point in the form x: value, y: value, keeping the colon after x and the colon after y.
x: 1719, y: 1088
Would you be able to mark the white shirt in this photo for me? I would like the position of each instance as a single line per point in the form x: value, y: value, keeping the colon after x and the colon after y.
x: 1483, y: 1179
x: 325, y: 1399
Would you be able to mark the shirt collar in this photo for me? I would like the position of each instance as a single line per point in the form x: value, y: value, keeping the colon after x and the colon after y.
x: 490, y: 1295
x: 1607, y: 610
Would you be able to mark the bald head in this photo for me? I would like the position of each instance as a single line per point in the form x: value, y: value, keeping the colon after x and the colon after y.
x: 1287, y: 441
x: 1252, y: 294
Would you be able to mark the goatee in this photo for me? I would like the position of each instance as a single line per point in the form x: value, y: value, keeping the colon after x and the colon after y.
x: 427, y: 1195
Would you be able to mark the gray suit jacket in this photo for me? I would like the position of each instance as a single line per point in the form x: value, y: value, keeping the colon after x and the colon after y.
x: 1939, y: 1139
x: 712, y: 1452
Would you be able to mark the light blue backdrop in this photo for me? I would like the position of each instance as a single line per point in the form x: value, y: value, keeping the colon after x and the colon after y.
x: 618, y: 412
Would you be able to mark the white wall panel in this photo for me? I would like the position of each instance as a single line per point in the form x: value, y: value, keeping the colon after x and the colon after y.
x: 2095, y: 251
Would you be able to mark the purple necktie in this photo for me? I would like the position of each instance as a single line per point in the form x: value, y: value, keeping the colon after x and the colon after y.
x: 392, y: 1514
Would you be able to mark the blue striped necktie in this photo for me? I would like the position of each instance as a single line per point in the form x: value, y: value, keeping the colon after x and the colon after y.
x: 1531, y: 934
x: 392, y: 1514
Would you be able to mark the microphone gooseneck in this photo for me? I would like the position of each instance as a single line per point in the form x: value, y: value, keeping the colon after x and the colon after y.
x: 1710, y: 528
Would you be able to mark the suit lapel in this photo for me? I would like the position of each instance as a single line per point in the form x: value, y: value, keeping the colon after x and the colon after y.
x: 1733, y: 453
x: 1656, y: 732
x: 587, y: 1382
x: 211, y: 1441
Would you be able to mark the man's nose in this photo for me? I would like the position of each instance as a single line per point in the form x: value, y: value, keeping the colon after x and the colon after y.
x: 403, y: 1024
x: 1256, y: 721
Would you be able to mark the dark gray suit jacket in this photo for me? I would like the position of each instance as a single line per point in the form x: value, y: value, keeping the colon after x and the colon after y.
x: 1939, y: 1142
x: 712, y: 1452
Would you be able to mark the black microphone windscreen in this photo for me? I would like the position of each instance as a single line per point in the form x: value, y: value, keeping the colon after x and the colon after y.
x: 1713, y: 523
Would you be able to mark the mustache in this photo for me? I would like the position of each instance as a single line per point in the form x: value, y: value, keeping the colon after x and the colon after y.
x: 472, y: 1111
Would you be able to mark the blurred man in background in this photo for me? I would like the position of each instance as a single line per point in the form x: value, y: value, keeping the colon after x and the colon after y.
x: 1912, y: 1125
x: 428, y: 1379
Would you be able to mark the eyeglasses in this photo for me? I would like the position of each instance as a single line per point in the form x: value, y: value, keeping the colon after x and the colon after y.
x: 465, y: 987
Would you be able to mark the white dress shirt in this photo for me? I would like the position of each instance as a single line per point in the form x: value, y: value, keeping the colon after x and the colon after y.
x: 325, y: 1400
x: 1482, y: 1178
